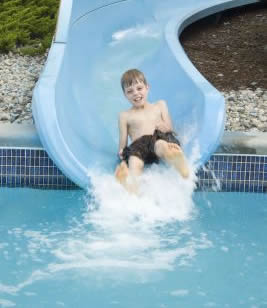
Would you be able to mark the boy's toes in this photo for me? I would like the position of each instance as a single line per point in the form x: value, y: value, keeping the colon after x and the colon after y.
x: 121, y: 172
x: 173, y: 146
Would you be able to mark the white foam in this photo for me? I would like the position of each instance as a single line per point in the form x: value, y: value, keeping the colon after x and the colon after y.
x: 179, y: 292
x: 121, y: 235
x: 164, y: 196
x: 6, y: 303
x: 224, y: 248
x: 3, y: 245
x: 125, y: 231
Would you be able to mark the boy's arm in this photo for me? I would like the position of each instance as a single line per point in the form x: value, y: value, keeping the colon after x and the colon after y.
x: 123, y: 132
x: 166, y: 124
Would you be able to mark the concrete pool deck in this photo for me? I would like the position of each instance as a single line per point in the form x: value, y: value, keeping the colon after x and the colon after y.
x: 25, y: 135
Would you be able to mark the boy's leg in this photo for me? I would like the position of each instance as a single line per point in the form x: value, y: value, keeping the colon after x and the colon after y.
x: 136, y: 165
x: 122, y: 173
x: 173, y: 155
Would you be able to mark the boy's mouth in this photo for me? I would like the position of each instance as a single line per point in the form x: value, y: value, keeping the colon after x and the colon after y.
x: 138, y: 99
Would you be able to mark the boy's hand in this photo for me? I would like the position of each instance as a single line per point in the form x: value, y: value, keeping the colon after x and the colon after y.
x: 120, y: 154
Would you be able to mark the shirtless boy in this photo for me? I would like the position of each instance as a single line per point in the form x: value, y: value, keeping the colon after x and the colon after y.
x: 150, y: 129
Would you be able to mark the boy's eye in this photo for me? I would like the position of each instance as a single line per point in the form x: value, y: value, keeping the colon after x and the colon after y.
x: 139, y: 89
x: 129, y: 91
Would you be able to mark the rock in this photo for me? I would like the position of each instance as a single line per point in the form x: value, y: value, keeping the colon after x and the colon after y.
x: 18, y: 76
x: 246, y: 109
x: 4, y: 116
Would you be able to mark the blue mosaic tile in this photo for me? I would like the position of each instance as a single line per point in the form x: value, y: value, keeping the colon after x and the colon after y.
x: 29, y: 167
x: 45, y: 171
x: 45, y: 180
x: 4, y: 180
x: 41, y: 181
x: 245, y: 173
x: 33, y: 167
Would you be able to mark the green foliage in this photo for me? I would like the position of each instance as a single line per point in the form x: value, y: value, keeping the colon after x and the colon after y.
x: 27, y: 26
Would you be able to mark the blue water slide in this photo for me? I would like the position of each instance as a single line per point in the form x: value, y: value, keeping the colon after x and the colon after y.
x: 77, y: 98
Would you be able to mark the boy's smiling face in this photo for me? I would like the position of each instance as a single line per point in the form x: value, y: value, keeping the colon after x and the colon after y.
x: 137, y: 94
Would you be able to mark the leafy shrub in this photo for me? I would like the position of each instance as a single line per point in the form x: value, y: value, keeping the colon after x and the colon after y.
x: 27, y: 26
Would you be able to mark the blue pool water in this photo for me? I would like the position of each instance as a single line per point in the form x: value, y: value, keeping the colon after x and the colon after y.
x: 69, y: 249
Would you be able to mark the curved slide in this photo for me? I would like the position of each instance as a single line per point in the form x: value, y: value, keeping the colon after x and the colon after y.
x: 78, y: 96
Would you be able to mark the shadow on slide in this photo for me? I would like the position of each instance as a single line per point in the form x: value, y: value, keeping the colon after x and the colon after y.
x: 78, y: 96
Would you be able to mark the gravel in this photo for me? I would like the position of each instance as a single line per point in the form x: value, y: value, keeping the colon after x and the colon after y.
x: 18, y: 75
x: 246, y: 108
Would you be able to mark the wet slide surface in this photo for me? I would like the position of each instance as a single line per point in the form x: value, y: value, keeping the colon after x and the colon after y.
x: 78, y: 97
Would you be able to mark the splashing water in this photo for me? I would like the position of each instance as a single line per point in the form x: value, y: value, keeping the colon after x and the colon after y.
x: 164, y: 196
x: 120, y: 236
x: 121, y: 230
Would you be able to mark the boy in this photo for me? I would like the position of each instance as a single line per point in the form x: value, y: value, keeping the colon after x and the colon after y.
x: 150, y: 129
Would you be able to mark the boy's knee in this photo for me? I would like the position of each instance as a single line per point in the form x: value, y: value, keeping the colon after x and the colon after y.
x: 136, y: 164
x: 160, y: 147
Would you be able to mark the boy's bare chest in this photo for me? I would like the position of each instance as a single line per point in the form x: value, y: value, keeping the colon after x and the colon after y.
x: 146, y: 118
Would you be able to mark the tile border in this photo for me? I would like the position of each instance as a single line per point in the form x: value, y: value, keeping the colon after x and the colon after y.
x: 32, y: 167
x: 234, y: 172
x: 26, y: 167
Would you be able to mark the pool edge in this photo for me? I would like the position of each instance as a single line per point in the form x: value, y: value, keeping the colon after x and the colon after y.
x: 238, y: 142
x: 239, y: 164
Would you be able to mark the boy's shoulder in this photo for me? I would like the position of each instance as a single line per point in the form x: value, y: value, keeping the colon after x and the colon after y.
x: 123, y: 115
x: 160, y: 102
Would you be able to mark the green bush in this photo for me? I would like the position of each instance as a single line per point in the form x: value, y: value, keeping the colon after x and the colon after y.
x: 27, y: 26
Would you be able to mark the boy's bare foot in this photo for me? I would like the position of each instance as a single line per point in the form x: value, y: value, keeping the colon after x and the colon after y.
x: 175, y: 157
x: 122, y: 174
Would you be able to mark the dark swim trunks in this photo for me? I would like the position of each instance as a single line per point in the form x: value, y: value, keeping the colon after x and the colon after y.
x: 143, y: 147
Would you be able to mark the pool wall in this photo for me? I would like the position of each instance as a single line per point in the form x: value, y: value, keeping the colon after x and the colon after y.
x: 240, y: 163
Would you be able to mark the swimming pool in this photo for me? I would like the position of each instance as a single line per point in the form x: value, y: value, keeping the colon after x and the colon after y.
x: 61, y: 249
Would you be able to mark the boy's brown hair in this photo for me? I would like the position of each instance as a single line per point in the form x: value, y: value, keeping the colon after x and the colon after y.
x: 132, y: 76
